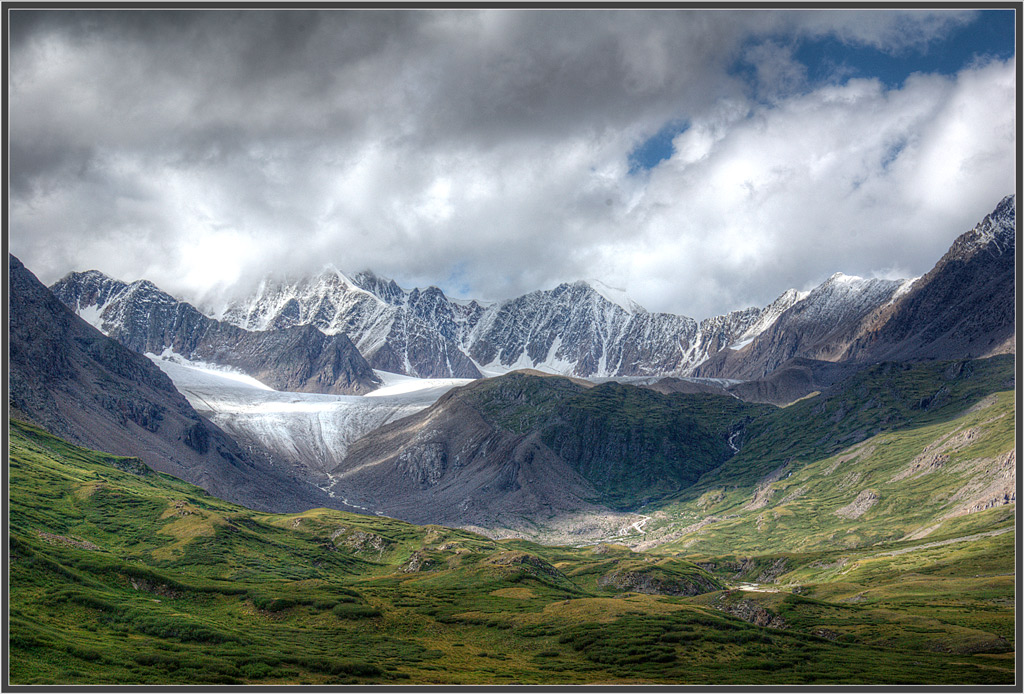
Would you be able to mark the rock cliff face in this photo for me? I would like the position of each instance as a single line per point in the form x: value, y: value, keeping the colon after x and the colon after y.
x: 85, y: 387
x: 963, y: 308
x: 145, y: 319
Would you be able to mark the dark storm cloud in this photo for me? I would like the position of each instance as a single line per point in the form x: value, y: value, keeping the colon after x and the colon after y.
x: 205, y: 148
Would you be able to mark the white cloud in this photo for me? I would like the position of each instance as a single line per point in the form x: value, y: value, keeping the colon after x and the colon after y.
x: 193, y: 149
x: 853, y: 178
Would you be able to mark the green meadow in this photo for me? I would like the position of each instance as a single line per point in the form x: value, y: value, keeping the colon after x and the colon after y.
x: 121, y: 575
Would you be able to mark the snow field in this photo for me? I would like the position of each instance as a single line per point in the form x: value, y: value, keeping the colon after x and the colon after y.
x: 309, y: 429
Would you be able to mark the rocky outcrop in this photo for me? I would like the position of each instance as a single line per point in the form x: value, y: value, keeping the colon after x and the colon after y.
x: 65, y: 541
x: 528, y: 565
x: 523, y: 559
x: 992, y: 483
x: 419, y: 561
x: 859, y: 506
x: 750, y: 611
x: 651, y: 581
x: 360, y: 541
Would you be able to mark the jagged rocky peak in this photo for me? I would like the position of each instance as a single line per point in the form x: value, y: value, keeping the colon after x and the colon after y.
x: 315, y: 300
x: 996, y: 233
x: 107, y: 303
x: 411, y: 333
x: 717, y: 332
x: 786, y: 299
x: 769, y: 314
x: 385, y: 289
x: 87, y: 290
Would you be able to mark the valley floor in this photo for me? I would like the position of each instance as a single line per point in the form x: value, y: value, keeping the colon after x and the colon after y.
x: 120, y: 575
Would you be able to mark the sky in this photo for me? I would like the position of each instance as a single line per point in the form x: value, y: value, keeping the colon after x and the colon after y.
x: 703, y: 161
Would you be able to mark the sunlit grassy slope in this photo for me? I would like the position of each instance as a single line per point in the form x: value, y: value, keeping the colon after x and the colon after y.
x: 122, y: 575
x: 929, y: 481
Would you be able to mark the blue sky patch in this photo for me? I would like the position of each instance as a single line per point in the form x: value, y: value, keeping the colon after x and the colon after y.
x: 893, y: 154
x: 991, y: 34
x: 657, y: 148
x: 457, y: 284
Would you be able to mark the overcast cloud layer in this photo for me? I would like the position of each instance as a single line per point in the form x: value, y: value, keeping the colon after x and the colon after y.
x: 488, y: 152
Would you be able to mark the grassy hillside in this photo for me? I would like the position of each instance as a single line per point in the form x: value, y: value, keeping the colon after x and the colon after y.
x: 904, y: 538
x: 640, y: 447
x: 633, y: 444
x: 883, y: 397
x: 122, y: 575
x: 951, y: 456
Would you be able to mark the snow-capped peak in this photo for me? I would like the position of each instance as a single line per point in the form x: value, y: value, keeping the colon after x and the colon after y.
x: 996, y: 233
x: 344, y: 282
x: 615, y: 295
x: 769, y: 315
x: 843, y: 278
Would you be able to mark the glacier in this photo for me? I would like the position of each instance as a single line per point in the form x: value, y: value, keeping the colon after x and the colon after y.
x: 308, y: 431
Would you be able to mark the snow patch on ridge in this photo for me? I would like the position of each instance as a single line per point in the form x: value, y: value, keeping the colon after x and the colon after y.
x: 224, y: 372
x: 91, y: 315
x: 903, y: 289
x: 769, y: 315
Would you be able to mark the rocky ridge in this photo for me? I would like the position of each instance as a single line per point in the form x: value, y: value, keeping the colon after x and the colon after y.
x: 148, y: 320
x: 582, y: 328
x: 962, y: 308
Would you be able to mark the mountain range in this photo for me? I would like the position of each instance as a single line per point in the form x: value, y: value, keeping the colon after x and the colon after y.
x: 821, y: 491
x: 327, y: 333
x: 146, y: 319
x: 520, y: 454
